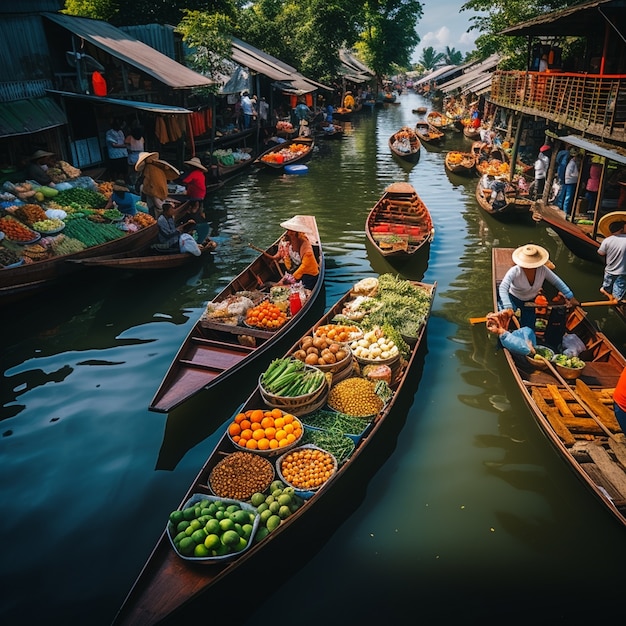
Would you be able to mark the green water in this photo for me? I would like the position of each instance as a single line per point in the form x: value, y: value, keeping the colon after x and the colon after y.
x: 462, y: 511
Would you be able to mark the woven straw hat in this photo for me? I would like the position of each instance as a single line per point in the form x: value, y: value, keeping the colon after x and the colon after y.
x: 119, y: 185
x: 530, y: 256
x: 195, y: 162
x: 40, y: 154
x: 605, y: 222
x: 296, y: 224
x: 141, y: 161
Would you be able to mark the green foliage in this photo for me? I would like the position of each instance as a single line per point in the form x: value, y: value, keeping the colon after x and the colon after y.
x: 430, y: 58
x: 452, y: 56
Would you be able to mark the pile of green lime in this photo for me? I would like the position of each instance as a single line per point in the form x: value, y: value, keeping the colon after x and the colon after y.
x: 211, y: 528
x: 274, y: 507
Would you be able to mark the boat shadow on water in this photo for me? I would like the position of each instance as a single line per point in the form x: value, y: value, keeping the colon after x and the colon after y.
x: 411, y: 269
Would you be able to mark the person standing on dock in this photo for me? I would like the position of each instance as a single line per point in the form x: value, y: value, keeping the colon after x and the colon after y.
x: 613, y: 249
x: 541, y: 170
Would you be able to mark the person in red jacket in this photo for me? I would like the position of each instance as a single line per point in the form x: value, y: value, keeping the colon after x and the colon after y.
x: 619, y: 400
x: 195, y: 181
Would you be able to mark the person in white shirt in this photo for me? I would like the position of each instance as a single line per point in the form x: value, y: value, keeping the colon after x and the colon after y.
x: 570, y: 180
x: 117, y: 151
x: 541, y: 170
x: 613, y: 249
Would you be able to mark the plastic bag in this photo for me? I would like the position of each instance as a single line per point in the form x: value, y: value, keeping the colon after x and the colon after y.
x: 188, y: 244
x: 572, y: 344
x: 519, y: 341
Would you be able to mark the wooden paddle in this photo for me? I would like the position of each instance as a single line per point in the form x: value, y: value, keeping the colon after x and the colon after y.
x: 276, y: 264
x: 482, y: 320
x: 578, y: 399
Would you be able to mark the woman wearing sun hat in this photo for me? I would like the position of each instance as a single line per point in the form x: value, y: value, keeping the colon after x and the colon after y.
x: 156, y: 173
x: 523, y: 282
x: 300, y: 260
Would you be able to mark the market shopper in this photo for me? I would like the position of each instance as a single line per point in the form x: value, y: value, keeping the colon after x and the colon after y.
x: 37, y: 168
x: 593, y: 182
x: 117, y: 150
x: 613, y: 249
x: 247, y: 109
x: 572, y: 172
x: 541, y: 170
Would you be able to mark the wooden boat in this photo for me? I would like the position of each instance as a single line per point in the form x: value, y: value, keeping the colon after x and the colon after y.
x: 405, y: 144
x: 290, y: 152
x: 168, y: 586
x: 428, y: 133
x: 344, y: 114
x: 581, y: 239
x: 17, y: 283
x: 329, y: 130
x: 420, y: 110
x: 146, y: 261
x: 215, y: 350
x: 386, y: 98
x: 515, y: 207
x: 461, y: 163
x: 438, y: 120
x: 399, y: 224
x: 577, y: 415
x: 470, y: 132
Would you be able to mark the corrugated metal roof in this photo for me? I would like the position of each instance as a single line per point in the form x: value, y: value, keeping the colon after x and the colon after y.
x: 577, y: 20
x: 434, y: 74
x: 613, y: 153
x: 23, y: 117
x: 152, y: 107
x: 476, y: 72
x: 135, y: 53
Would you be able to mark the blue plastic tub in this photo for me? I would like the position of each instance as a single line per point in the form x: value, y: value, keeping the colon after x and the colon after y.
x: 296, y: 169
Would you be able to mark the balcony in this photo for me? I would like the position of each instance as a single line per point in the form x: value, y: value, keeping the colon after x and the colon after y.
x: 590, y: 103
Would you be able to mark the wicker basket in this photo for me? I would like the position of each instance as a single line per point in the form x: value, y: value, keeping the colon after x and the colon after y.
x: 298, y: 405
x: 569, y: 373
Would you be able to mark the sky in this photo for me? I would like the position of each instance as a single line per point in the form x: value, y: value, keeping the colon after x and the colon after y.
x: 443, y: 25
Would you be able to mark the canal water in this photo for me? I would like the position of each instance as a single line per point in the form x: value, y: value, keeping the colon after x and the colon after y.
x: 463, y: 511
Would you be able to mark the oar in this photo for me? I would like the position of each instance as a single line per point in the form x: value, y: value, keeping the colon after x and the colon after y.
x: 578, y: 398
x: 278, y: 268
x: 482, y: 320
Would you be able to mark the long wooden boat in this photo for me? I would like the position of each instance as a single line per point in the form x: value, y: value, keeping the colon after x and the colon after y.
x: 420, y: 110
x: 405, y: 144
x: 17, y: 283
x: 581, y: 239
x: 515, y: 207
x: 399, y: 225
x: 145, y: 261
x: 330, y: 130
x: 215, y: 350
x: 460, y: 163
x: 428, y: 133
x: 438, y: 120
x: 290, y: 152
x: 167, y: 587
x: 470, y: 132
x: 577, y: 415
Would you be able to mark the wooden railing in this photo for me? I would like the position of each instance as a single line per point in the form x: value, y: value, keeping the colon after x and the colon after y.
x: 591, y: 103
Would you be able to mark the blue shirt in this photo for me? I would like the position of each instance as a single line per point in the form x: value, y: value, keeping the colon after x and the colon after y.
x: 124, y: 201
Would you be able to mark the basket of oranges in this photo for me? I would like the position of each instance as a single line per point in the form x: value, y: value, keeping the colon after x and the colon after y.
x: 265, y: 431
x: 266, y: 316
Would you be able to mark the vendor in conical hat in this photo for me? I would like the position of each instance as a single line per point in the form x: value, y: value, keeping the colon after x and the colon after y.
x: 524, y: 282
x: 156, y: 174
x: 37, y: 168
x: 297, y: 253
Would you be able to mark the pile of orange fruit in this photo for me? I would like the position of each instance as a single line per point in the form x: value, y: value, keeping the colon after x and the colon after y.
x: 266, y: 315
x: 259, y: 429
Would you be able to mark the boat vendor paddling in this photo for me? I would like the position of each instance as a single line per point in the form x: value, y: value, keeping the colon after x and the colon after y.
x: 524, y: 281
x: 297, y: 254
x: 175, y: 239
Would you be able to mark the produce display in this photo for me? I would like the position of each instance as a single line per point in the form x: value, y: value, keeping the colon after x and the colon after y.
x: 306, y: 468
x: 212, y: 527
x: 320, y: 350
x: 355, y: 396
x: 49, y: 225
x: 267, y: 316
x: 341, y: 333
x: 241, y: 474
x: 284, y: 155
x: 339, y: 445
x: 564, y: 360
x: 274, y: 507
x: 265, y: 430
x: 290, y: 377
x: 16, y: 231
x: 375, y: 346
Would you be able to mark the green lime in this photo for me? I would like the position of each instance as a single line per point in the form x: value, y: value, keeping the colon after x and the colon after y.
x: 176, y: 517
x: 219, y: 514
x: 284, y: 500
x: 206, y: 511
x: 247, y: 530
x: 182, y: 526
x: 273, y: 523
x: 186, y: 546
x: 265, y: 516
x: 220, y: 550
x: 212, y: 526
x: 227, y: 524
x: 201, y: 551
x: 178, y: 537
x: 189, y: 513
x: 199, y: 535
x: 240, y: 517
x: 257, y: 499
x: 211, y: 541
x: 284, y: 512
x: 260, y: 534
x: 277, y: 484
x: 277, y: 493
x: 238, y: 529
x: 263, y: 507
x: 242, y: 545
x: 212, y: 508
x: 232, y: 508
x: 274, y: 507
x: 195, y: 524
x: 230, y: 538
